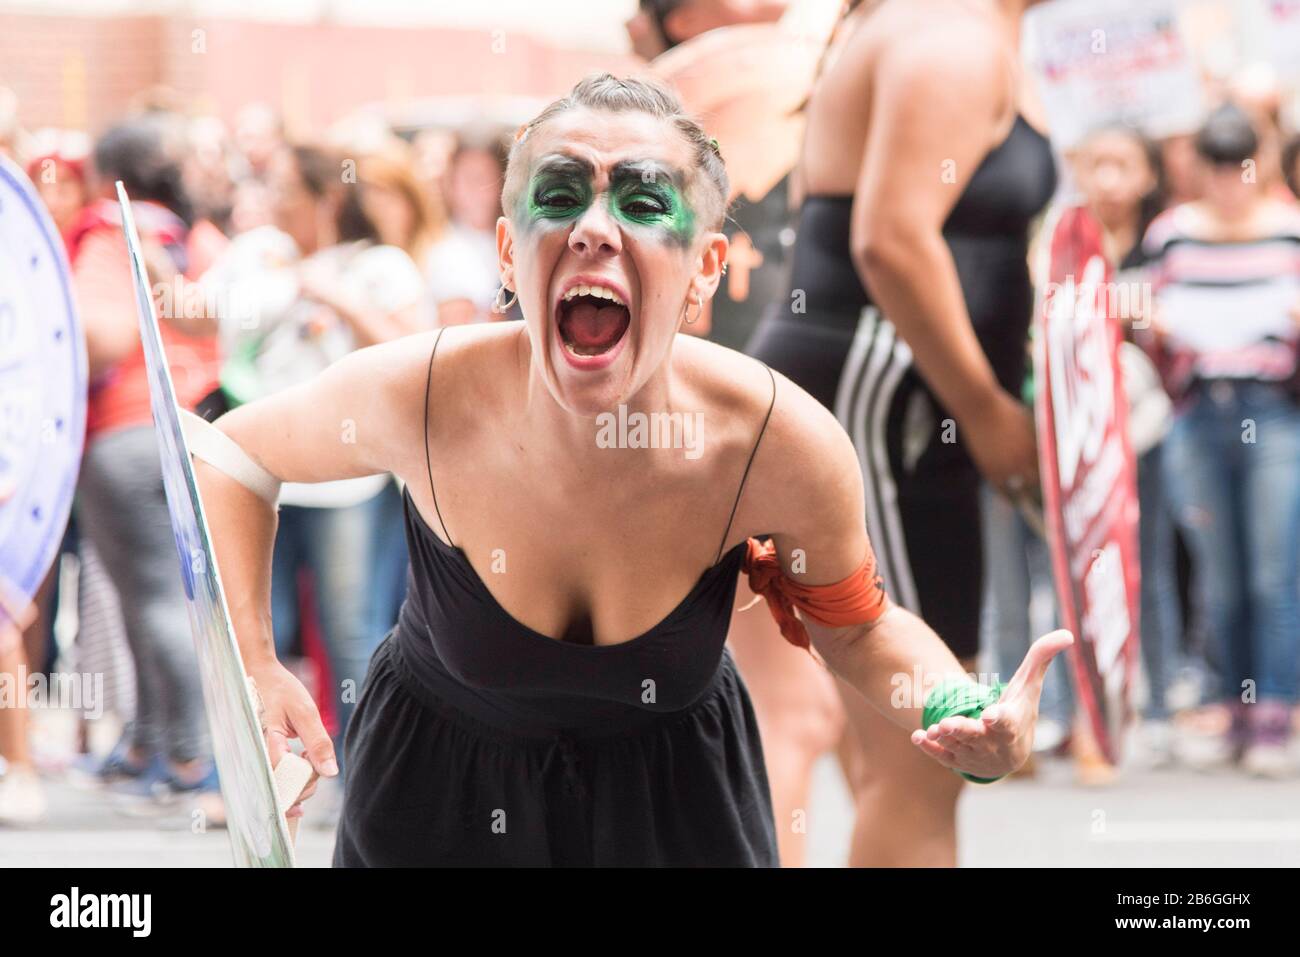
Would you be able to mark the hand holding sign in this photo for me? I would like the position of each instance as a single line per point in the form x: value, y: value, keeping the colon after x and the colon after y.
x: 256, y: 797
x: 1001, y: 440
x: 287, y: 711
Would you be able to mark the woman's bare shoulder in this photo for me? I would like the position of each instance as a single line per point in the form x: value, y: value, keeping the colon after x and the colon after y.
x: 942, y: 51
x: 805, y: 446
x: 446, y: 361
x: 390, y: 384
x: 802, y: 443
x: 724, y: 382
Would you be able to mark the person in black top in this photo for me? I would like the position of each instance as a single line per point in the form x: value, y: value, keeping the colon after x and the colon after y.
x: 907, y: 314
x: 549, y: 696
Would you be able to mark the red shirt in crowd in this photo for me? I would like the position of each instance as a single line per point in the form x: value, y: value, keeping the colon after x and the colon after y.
x: 101, y: 270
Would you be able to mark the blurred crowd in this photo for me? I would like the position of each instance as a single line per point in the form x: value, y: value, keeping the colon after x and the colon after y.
x: 269, y: 259
x: 1203, y: 232
x: 271, y: 256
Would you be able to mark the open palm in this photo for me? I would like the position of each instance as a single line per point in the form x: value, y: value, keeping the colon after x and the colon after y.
x: 1000, y: 739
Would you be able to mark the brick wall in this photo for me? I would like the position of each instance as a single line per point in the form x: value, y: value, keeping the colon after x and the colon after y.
x: 83, y: 72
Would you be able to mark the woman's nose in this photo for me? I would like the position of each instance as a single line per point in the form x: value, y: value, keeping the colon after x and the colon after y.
x: 595, y: 233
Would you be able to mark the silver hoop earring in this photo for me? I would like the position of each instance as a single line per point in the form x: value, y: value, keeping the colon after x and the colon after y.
x: 503, y: 307
x: 699, y: 311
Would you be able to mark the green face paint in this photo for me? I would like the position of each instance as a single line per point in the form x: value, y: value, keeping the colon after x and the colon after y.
x: 558, y: 193
x: 644, y: 196
x: 648, y: 195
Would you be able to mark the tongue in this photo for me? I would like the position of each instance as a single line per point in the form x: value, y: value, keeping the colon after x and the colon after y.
x: 594, y: 328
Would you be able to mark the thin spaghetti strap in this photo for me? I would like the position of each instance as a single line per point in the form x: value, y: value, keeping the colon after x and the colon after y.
x: 428, y: 464
x: 736, y: 504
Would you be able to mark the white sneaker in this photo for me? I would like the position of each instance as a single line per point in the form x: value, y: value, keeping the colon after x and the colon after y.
x: 1268, y: 761
x: 22, y: 798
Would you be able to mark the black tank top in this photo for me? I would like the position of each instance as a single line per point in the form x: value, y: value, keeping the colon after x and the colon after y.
x: 987, y: 232
x: 461, y: 643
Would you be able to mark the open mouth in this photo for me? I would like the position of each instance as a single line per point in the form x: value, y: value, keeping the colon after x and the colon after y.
x: 592, y: 320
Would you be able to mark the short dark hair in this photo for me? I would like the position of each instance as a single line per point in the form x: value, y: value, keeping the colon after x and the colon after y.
x: 140, y: 153
x: 321, y: 171
x: 1227, y: 136
x: 658, y: 11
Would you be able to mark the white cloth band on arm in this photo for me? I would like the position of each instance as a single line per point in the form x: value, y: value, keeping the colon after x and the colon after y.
x: 209, y: 443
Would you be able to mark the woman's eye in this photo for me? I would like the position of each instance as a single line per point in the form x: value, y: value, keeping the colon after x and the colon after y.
x: 645, y: 206
x: 558, y: 201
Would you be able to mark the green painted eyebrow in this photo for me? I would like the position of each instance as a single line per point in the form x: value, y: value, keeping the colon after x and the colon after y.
x: 644, y: 194
x: 563, y: 164
x: 647, y: 171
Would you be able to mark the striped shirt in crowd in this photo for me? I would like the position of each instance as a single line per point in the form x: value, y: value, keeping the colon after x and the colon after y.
x: 1228, y: 308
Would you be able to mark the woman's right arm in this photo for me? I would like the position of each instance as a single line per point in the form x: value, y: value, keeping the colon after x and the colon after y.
x: 939, y: 104
x: 361, y: 416
x: 807, y: 491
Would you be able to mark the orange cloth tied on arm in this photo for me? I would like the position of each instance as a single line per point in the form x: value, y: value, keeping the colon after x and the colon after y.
x: 856, y: 600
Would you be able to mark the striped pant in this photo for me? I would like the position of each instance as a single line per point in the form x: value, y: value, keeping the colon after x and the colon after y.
x: 922, y: 490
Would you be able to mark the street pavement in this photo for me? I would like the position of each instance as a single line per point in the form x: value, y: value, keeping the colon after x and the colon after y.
x: 1179, y: 818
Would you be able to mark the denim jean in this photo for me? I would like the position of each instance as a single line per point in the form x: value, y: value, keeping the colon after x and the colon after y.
x: 1016, y: 566
x: 1234, y: 475
x: 390, y: 562
x: 1161, y: 617
x: 337, y: 546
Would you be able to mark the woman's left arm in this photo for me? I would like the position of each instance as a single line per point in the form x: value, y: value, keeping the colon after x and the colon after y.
x: 896, y: 661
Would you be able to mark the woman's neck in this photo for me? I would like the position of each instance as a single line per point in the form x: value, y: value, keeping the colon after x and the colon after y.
x: 573, y: 435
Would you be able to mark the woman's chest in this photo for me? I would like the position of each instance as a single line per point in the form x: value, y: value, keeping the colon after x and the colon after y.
x: 590, y: 568
x: 512, y: 625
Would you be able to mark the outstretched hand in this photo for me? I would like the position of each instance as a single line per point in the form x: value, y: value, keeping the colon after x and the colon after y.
x: 1000, y: 739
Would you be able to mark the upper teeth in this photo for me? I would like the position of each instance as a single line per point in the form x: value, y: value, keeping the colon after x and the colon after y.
x: 600, y: 292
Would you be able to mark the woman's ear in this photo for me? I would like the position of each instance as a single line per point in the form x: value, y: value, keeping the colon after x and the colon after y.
x: 713, y: 259
x: 505, y: 251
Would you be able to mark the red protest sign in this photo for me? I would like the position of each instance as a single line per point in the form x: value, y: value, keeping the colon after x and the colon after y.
x: 1088, y: 470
